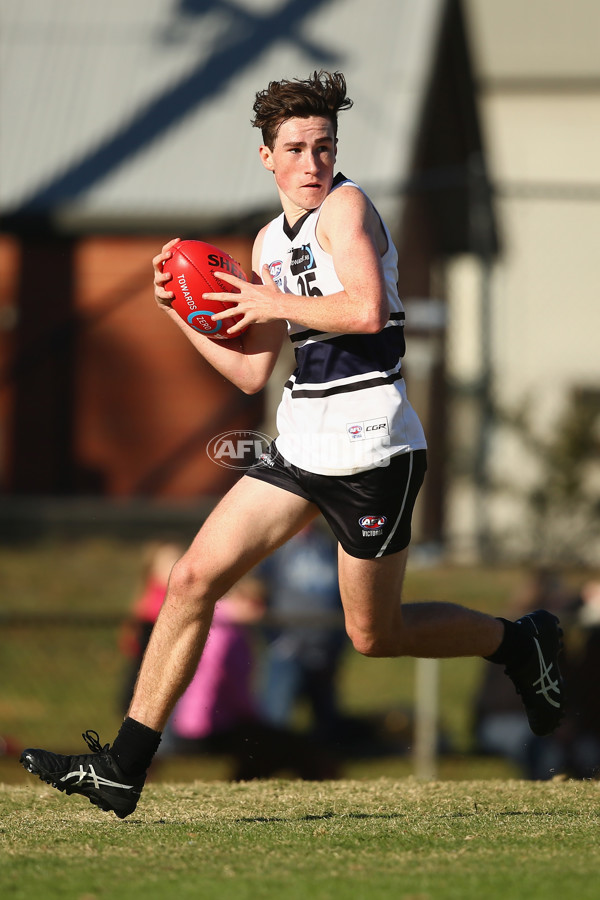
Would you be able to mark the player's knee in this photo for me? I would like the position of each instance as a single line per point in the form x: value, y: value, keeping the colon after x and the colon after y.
x: 186, y: 581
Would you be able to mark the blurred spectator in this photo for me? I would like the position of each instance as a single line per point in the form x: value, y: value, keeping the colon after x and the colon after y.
x: 500, y: 724
x: 542, y: 588
x: 305, y: 635
x: 158, y: 560
x: 9, y: 746
x: 219, y: 713
x: 580, y: 735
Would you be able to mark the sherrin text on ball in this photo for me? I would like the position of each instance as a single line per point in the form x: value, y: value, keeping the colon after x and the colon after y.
x: 195, y: 267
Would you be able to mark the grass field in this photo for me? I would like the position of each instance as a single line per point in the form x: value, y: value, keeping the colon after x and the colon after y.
x: 349, y: 840
x: 376, y: 833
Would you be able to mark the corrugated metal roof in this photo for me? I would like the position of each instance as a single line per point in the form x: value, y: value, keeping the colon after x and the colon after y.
x: 140, y: 109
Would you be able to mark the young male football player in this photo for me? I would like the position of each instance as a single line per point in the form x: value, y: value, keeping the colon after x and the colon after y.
x: 349, y: 445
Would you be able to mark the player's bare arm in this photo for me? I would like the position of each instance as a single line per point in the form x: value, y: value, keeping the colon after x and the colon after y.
x: 350, y: 230
x: 246, y: 361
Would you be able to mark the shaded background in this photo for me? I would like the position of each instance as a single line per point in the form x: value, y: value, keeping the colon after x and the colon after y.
x: 145, y: 123
x: 473, y: 130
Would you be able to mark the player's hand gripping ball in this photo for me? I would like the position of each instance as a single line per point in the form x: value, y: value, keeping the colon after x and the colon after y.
x: 195, y: 268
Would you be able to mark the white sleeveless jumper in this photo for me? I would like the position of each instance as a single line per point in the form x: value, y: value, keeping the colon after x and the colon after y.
x: 344, y: 409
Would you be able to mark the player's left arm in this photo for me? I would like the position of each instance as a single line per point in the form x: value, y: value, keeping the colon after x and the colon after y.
x: 351, y: 231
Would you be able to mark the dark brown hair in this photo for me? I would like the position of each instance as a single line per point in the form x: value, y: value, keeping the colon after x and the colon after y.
x: 322, y: 94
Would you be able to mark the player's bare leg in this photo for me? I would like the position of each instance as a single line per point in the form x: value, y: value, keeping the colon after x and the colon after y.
x: 250, y: 521
x: 379, y: 624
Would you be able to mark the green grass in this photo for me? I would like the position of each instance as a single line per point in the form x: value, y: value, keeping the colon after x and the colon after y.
x: 88, y: 576
x: 400, y: 839
x: 378, y: 833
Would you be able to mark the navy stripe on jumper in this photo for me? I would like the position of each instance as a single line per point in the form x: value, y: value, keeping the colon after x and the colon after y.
x: 377, y: 381
x: 311, y: 332
x: 348, y: 355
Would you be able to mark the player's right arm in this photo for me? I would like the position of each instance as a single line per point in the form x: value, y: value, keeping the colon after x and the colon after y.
x: 248, y: 360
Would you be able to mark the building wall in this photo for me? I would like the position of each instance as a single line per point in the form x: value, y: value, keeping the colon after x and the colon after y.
x: 101, y: 396
x: 538, y: 70
x: 100, y: 393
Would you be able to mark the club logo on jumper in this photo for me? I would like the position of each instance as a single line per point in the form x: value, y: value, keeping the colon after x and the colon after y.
x: 275, y: 269
x: 370, y: 428
x: 372, y: 525
x: 237, y: 449
x: 302, y: 260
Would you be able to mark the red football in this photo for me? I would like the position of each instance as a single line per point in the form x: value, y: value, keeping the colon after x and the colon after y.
x: 195, y: 268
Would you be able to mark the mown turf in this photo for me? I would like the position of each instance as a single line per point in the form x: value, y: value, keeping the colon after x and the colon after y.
x: 405, y: 839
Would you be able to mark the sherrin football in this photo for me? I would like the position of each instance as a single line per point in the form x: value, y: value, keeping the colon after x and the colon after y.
x: 195, y: 268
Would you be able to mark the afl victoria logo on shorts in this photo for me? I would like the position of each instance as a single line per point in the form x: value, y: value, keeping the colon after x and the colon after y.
x: 372, y: 525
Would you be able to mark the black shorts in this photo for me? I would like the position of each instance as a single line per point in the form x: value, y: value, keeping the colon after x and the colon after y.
x: 370, y: 513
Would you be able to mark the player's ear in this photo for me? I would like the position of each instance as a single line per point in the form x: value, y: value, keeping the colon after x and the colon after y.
x: 266, y: 157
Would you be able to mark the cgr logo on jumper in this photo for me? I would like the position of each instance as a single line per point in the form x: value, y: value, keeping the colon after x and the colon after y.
x: 370, y: 428
x: 302, y: 260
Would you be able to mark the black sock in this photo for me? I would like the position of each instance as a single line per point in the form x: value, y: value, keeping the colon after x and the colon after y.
x: 135, y: 746
x: 515, y: 646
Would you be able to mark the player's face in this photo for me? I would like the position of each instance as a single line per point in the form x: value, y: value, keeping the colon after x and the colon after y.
x: 302, y: 161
